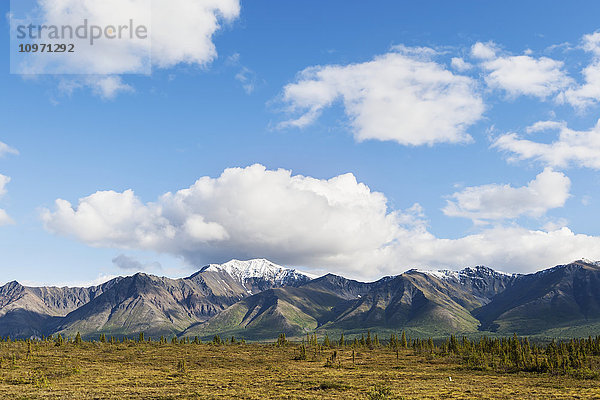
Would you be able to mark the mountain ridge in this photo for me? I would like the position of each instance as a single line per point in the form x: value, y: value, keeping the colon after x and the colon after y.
x: 257, y: 298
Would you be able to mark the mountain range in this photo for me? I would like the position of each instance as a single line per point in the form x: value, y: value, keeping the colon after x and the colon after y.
x: 257, y: 299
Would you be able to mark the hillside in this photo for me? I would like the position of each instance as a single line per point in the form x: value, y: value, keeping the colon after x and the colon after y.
x: 257, y: 299
x: 559, y: 297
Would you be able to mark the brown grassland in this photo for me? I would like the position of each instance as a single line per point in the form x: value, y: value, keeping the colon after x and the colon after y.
x: 94, y: 370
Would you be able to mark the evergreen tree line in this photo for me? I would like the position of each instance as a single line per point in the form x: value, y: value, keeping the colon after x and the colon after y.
x: 579, y: 357
x: 60, y: 340
x: 576, y: 357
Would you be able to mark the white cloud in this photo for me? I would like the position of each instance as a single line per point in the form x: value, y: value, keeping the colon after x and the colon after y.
x: 498, y: 202
x: 245, y: 75
x: 244, y: 213
x: 105, y: 86
x: 460, y: 64
x: 129, y: 263
x: 521, y: 75
x: 542, y: 126
x: 512, y: 249
x: 247, y: 78
x: 401, y: 96
x: 6, y: 149
x: 555, y: 224
x: 589, y: 92
x: 4, y: 180
x: 580, y: 148
x: 109, y: 86
x: 5, y: 219
x: 101, y: 278
x: 184, y: 31
x: 179, y: 32
x: 586, y: 200
x: 335, y: 224
x: 484, y: 51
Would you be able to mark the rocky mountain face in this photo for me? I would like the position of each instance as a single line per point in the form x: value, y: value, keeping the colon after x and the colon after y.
x: 254, y: 276
x: 563, y: 296
x: 25, y: 311
x: 257, y: 299
x: 139, y: 303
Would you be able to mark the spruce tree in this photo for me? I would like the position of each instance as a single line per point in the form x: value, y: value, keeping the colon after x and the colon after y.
x: 403, y: 343
x: 281, y: 340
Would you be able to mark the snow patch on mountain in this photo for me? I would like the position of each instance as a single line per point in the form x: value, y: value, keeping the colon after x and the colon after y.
x: 587, y: 261
x: 468, y: 272
x: 574, y: 264
x: 260, y: 268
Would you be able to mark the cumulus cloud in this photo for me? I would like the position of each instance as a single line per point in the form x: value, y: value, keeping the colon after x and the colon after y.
x: 484, y: 51
x: 335, y: 224
x: 521, y: 75
x: 511, y: 249
x: 6, y: 149
x: 131, y: 264
x: 579, y: 148
x: 178, y: 32
x: 499, y: 202
x: 402, y: 96
x: 245, y: 212
x: 460, y: 64
x: 588, y: 93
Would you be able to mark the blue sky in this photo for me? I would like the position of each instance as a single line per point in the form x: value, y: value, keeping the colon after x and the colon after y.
x: 515, y: 209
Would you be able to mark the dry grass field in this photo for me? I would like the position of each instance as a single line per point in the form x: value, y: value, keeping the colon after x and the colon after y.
x: 257, y: 371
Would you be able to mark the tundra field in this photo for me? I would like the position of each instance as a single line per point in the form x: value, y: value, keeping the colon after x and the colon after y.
x: 364, y: 368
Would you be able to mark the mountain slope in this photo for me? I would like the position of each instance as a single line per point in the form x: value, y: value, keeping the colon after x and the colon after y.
x: 408, y: 300
x: 142, y: 303
x: 25, y: 311
x: 435, y: 301
x: 257, y: 275
x: 557, y: 297
x: 292, y: 310
x: 469, y: 287
x: 257, y: 299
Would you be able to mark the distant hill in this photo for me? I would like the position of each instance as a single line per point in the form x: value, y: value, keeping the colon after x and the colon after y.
x: 257, y: 299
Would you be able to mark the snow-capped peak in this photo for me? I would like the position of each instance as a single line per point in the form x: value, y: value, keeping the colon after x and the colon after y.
x: 440, y: 273
x: 259, y: 268
x: 470, y: 272
x: 587, y: 261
